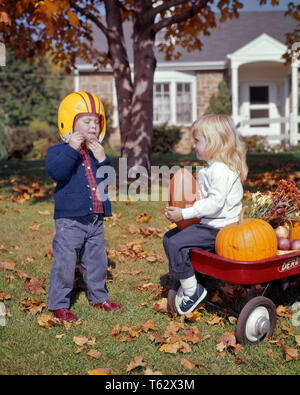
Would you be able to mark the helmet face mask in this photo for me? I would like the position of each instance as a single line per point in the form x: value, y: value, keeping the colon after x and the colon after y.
x: 79, y: 103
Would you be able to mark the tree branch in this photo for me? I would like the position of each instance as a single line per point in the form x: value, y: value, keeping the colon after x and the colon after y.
x: 165, y: 6
x: 180, y: 17
x: 90, y: 16
x: 123, y: 7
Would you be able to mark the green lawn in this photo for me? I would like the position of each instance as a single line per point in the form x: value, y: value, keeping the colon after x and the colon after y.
x: 137, y: 267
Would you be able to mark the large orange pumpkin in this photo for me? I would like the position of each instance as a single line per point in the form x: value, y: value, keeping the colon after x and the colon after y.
x: 251, y: 239
x: 183, y: 192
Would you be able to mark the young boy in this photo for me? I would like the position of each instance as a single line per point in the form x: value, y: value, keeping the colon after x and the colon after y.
x: 79, y: 207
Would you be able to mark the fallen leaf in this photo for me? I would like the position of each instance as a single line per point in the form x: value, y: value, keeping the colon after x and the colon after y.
x: 34, y: 226
x: 34, y: 285
x: 101, y: 372
x: 149, y: 372
x: 161, y: 306
x: 94, y: 354
x: 147, y: 325
x: 44, y: 212
x: 32, y: 304
x: 291, y: 353
x: 284, y: 312
x: 143, y: 218
x: 7, y: 265
x: 173, y: 348
x: 4, y: 296
x: 48, y: 320
x: 187, y: 363
x: 137, y: 362
x: 80, y: 340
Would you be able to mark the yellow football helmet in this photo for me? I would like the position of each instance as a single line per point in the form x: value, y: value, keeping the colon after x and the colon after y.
x: 78, y: 103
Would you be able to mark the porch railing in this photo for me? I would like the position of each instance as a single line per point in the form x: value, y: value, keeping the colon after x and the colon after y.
x: 291, y: 133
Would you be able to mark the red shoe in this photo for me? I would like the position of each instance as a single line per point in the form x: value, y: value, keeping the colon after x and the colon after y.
x: 108, y: 305
x: 65, y: 315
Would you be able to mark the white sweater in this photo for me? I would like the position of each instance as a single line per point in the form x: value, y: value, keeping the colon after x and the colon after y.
x: 222, y: 194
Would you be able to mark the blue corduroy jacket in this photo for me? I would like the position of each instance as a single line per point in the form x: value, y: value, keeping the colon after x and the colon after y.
x: 72, y: 197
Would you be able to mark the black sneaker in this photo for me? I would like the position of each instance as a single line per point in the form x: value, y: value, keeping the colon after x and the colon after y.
x: 189, y: 303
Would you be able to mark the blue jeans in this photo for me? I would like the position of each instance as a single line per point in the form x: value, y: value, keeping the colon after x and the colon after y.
x: 84, y: 234
x: 178, y: 243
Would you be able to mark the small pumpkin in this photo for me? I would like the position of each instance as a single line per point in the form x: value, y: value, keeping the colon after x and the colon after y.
x: 183, y: 192
x: 295, y: 231
x: 250, y: 239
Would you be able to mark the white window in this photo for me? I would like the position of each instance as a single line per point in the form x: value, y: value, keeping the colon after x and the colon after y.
x: 174, y: 97
x: 161, y: 103
x: 183, y: 103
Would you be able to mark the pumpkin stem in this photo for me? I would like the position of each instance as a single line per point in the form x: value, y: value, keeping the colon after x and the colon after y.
x: 241, y: 216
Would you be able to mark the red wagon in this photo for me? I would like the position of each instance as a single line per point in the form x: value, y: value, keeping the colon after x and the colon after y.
x: 257, y: 318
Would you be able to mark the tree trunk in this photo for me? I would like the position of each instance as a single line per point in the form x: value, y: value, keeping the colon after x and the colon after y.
x: 120, y: 65
x: 137, y: 146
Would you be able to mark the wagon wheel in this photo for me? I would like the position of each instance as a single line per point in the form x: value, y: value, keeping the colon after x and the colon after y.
x: 171, y: 306
x: 256, y: 321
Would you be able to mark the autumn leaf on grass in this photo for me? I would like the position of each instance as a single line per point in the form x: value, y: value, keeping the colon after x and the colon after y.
x: 32, y: 304
x: 147, y: 325
x: 187, y: 363
x: 34, y: 226
x: 80, y: 340
x: 101, y: 372
x: 4, y: 296
x: 215, y: 320
x: 173, y: 348
x: 156, y: 337
x: 132, y: 228
x: 291, y: 353
x: 284, y: 312
x: 149, y: 372
x: 297, y: 338
x: 192, y: 335
x: 137, y: 362
x: 161, y: 306
x: 7, y: 265
x: 47, y: 321
x: 94, y: 354
x: 34, y: 285
x: 228, y: 341
x: 143, y: 218
x: 44, y: 212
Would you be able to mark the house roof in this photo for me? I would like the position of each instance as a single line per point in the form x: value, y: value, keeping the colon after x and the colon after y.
x: 229, y: 37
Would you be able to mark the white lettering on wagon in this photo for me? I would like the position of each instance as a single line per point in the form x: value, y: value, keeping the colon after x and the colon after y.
x: 289, y: 265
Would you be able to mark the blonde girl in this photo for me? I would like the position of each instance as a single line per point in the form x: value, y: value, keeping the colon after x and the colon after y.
x: 218, y: 143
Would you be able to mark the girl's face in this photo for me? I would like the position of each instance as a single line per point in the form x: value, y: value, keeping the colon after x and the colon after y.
x: 89, y: 125
x: 199, y: 145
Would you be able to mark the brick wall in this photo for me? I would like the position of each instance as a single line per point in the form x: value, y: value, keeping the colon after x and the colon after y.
x: 207, y: 85
x: 99, y: 83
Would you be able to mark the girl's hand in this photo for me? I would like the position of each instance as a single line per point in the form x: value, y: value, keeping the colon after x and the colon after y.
x: 174, y: 214
x: 76, y: 140
x: 97, y: 150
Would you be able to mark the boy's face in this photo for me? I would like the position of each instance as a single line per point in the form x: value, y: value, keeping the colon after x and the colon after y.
x: 88, y: 125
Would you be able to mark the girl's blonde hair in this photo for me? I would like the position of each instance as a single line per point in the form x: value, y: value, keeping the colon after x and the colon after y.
x: 223, y: 142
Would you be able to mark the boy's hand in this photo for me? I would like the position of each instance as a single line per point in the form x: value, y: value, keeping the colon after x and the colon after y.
x: 76, y: 140
x: 97, y: 149
x: 174, y: 214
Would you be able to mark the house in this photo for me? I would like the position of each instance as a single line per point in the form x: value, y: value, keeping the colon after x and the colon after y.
x: 246, y: 53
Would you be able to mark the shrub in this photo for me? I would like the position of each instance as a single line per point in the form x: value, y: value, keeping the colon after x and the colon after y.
x: 165, y: 138
x: 220, y: 103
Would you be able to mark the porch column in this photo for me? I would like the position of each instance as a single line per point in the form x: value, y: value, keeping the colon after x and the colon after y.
x: 235, y: 94
x: 294, y: 113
